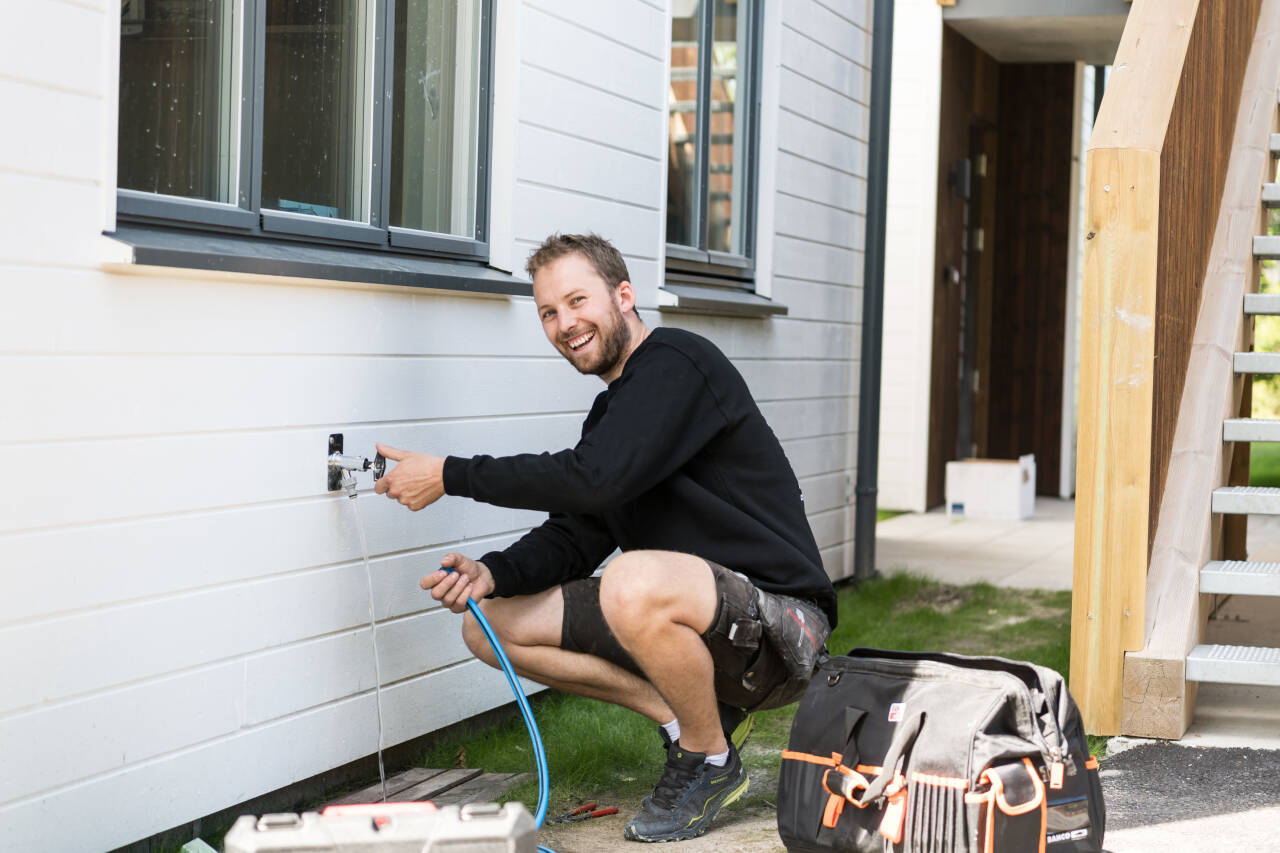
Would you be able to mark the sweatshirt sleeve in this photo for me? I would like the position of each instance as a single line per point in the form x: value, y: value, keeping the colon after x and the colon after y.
x: 562, y: 548
x: 657, y: 418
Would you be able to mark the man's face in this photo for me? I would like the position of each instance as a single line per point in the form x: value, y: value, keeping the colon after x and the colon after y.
x: 581, y: 317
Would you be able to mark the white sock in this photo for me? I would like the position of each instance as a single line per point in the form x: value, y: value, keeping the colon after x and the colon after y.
x: 719, y: 760
x: 672, y: 729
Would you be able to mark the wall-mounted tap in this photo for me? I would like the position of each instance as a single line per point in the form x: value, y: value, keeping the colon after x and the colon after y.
x: 341, y: 467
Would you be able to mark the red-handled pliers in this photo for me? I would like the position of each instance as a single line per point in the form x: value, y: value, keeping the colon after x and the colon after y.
x: 583, y: 812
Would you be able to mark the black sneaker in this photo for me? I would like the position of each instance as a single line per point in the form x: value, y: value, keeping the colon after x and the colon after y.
x: 688, y: 796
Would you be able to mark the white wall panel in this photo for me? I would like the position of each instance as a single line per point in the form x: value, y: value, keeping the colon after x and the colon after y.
x: 803, y: 219
x: 186, y: 784
x: 541, y: 211
x: 814, y: 261
x: 804, y: 137
x: 142, y: 395
x: 630, y: 24
x: 812, y: 300
x: 60, y: 132
x: 42, y: 749
x: 808, y: 179
x: 575, y: 108
x: 558, y: 160
x: 823, y: 65
x: 828, y: 29
x: 27, y: 46
x: 833, y: 109
x: 56, y: 224
x: 559, y: 46
x: 166, y: 475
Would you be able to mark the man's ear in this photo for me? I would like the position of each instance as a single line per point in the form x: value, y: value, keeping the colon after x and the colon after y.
x: 625, y: 294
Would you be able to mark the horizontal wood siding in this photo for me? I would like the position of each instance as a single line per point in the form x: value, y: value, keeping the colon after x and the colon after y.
x: 185, y: 623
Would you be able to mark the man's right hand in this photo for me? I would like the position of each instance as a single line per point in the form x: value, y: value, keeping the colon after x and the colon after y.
x: 468, y: 580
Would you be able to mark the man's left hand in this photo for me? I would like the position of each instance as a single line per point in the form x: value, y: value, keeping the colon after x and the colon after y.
x: 416, y: 481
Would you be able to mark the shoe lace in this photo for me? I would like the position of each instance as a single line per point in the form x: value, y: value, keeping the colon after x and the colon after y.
x: 676, y: 777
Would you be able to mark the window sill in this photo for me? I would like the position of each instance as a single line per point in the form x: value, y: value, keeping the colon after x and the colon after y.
x: 693, y: 299
x: 167, y: 247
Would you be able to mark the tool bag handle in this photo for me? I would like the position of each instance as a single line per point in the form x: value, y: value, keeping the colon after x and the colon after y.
x: 903, y: 740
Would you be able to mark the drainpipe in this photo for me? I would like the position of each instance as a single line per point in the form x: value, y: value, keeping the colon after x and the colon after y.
x: 864, y: 541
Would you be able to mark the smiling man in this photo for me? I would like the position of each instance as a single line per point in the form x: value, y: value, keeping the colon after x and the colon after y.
x: 718, y: 604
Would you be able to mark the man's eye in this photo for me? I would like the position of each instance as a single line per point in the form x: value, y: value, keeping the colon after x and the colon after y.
x: 576, y: 300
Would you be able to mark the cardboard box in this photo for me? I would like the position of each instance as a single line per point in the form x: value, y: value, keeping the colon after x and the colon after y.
x: 992, y: 488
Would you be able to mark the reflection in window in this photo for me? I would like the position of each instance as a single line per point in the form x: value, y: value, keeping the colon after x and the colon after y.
x: 179, y: 103
x: 682, y: 158
x: 708, y: 125
x: 317, y: 115
x: 728, y: 132
x: 436, y: 115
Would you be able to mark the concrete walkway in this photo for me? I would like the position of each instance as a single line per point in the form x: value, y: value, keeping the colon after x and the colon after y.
x: 1193, y: 794
x: 1031, y: 554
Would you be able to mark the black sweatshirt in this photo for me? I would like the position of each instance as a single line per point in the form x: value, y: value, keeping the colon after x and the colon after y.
x: 674, y: 456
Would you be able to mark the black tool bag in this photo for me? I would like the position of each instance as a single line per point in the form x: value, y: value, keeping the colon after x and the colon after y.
x: 938, y: 753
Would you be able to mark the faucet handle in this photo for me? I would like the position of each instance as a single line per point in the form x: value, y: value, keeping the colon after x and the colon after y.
x: 379, y: 466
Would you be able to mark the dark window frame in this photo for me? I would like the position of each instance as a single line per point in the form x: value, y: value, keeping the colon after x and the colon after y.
x: 698, y: 265
x: 164, y: 217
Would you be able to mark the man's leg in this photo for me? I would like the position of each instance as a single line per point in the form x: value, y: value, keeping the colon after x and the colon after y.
x: 659, y: 604
x: 529, y: 628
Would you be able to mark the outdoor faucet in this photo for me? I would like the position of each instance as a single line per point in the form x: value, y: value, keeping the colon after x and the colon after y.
x: 341, y: 467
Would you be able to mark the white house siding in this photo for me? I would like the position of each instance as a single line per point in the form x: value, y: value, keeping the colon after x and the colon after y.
x: 184, y: 617
x: 909, y: 246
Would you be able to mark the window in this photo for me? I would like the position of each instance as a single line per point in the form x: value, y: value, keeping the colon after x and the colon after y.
x: 712, y: 131
x: 352, y: 123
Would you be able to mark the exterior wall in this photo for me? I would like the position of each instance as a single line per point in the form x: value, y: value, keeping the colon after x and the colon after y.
x: 184, y: 624
x: 909, y: 252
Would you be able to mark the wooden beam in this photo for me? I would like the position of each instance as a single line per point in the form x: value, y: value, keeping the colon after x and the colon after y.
x: 1158, y: 700
x: 1114, y: 444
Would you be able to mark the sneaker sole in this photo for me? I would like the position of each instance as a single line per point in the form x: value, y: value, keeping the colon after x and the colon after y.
x: 698, y: 828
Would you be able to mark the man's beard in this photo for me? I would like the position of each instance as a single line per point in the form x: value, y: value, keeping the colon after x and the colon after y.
x: 613, y: 342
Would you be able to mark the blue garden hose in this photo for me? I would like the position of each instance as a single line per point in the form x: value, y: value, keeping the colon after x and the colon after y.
x: 539, y: 753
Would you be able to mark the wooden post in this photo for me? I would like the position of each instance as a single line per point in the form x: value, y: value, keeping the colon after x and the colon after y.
x: 1114, y: 469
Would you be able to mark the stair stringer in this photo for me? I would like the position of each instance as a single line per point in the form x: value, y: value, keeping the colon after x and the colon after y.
x: 1158, y: 699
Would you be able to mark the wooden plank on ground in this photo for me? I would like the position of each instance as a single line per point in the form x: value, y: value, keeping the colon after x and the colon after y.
x: 437, y: 785
x: 395, y: 785
x: 486, y: 788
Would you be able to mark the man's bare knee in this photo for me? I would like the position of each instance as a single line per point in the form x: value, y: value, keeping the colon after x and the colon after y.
x: 476, y: 641
x: 642, y: 589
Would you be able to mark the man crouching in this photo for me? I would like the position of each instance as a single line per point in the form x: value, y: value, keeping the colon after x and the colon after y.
x: 718, y: 604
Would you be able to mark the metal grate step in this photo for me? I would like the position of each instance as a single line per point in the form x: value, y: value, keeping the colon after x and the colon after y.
x: 1234, y: 665
x: 1275, y: 145
x: 1271, y: 195
x: 1236, y: 577
x: 1250, y: 429
x: 1256, y: 362
x: 1262, y: 303
x: 1266, y: 247
x: 1240, y: 500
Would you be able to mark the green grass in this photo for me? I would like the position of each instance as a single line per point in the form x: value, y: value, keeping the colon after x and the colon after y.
x: 883, y: 514
x: 1264, y: 464
x: 601, y: 752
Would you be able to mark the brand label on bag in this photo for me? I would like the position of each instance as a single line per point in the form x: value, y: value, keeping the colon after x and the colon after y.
x: 895, y: 712
x: 1073, y: 835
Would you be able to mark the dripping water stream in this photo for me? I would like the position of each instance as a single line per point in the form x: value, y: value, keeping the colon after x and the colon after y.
x: 373, y: 626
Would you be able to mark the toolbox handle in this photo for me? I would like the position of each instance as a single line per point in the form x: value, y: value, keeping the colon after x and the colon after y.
x: 903, y: 740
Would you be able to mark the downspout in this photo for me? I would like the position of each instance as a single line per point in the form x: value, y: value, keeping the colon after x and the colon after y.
x: 864, y: 536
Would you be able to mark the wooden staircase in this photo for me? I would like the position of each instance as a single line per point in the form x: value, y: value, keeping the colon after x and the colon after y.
x: 1227, y: 664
